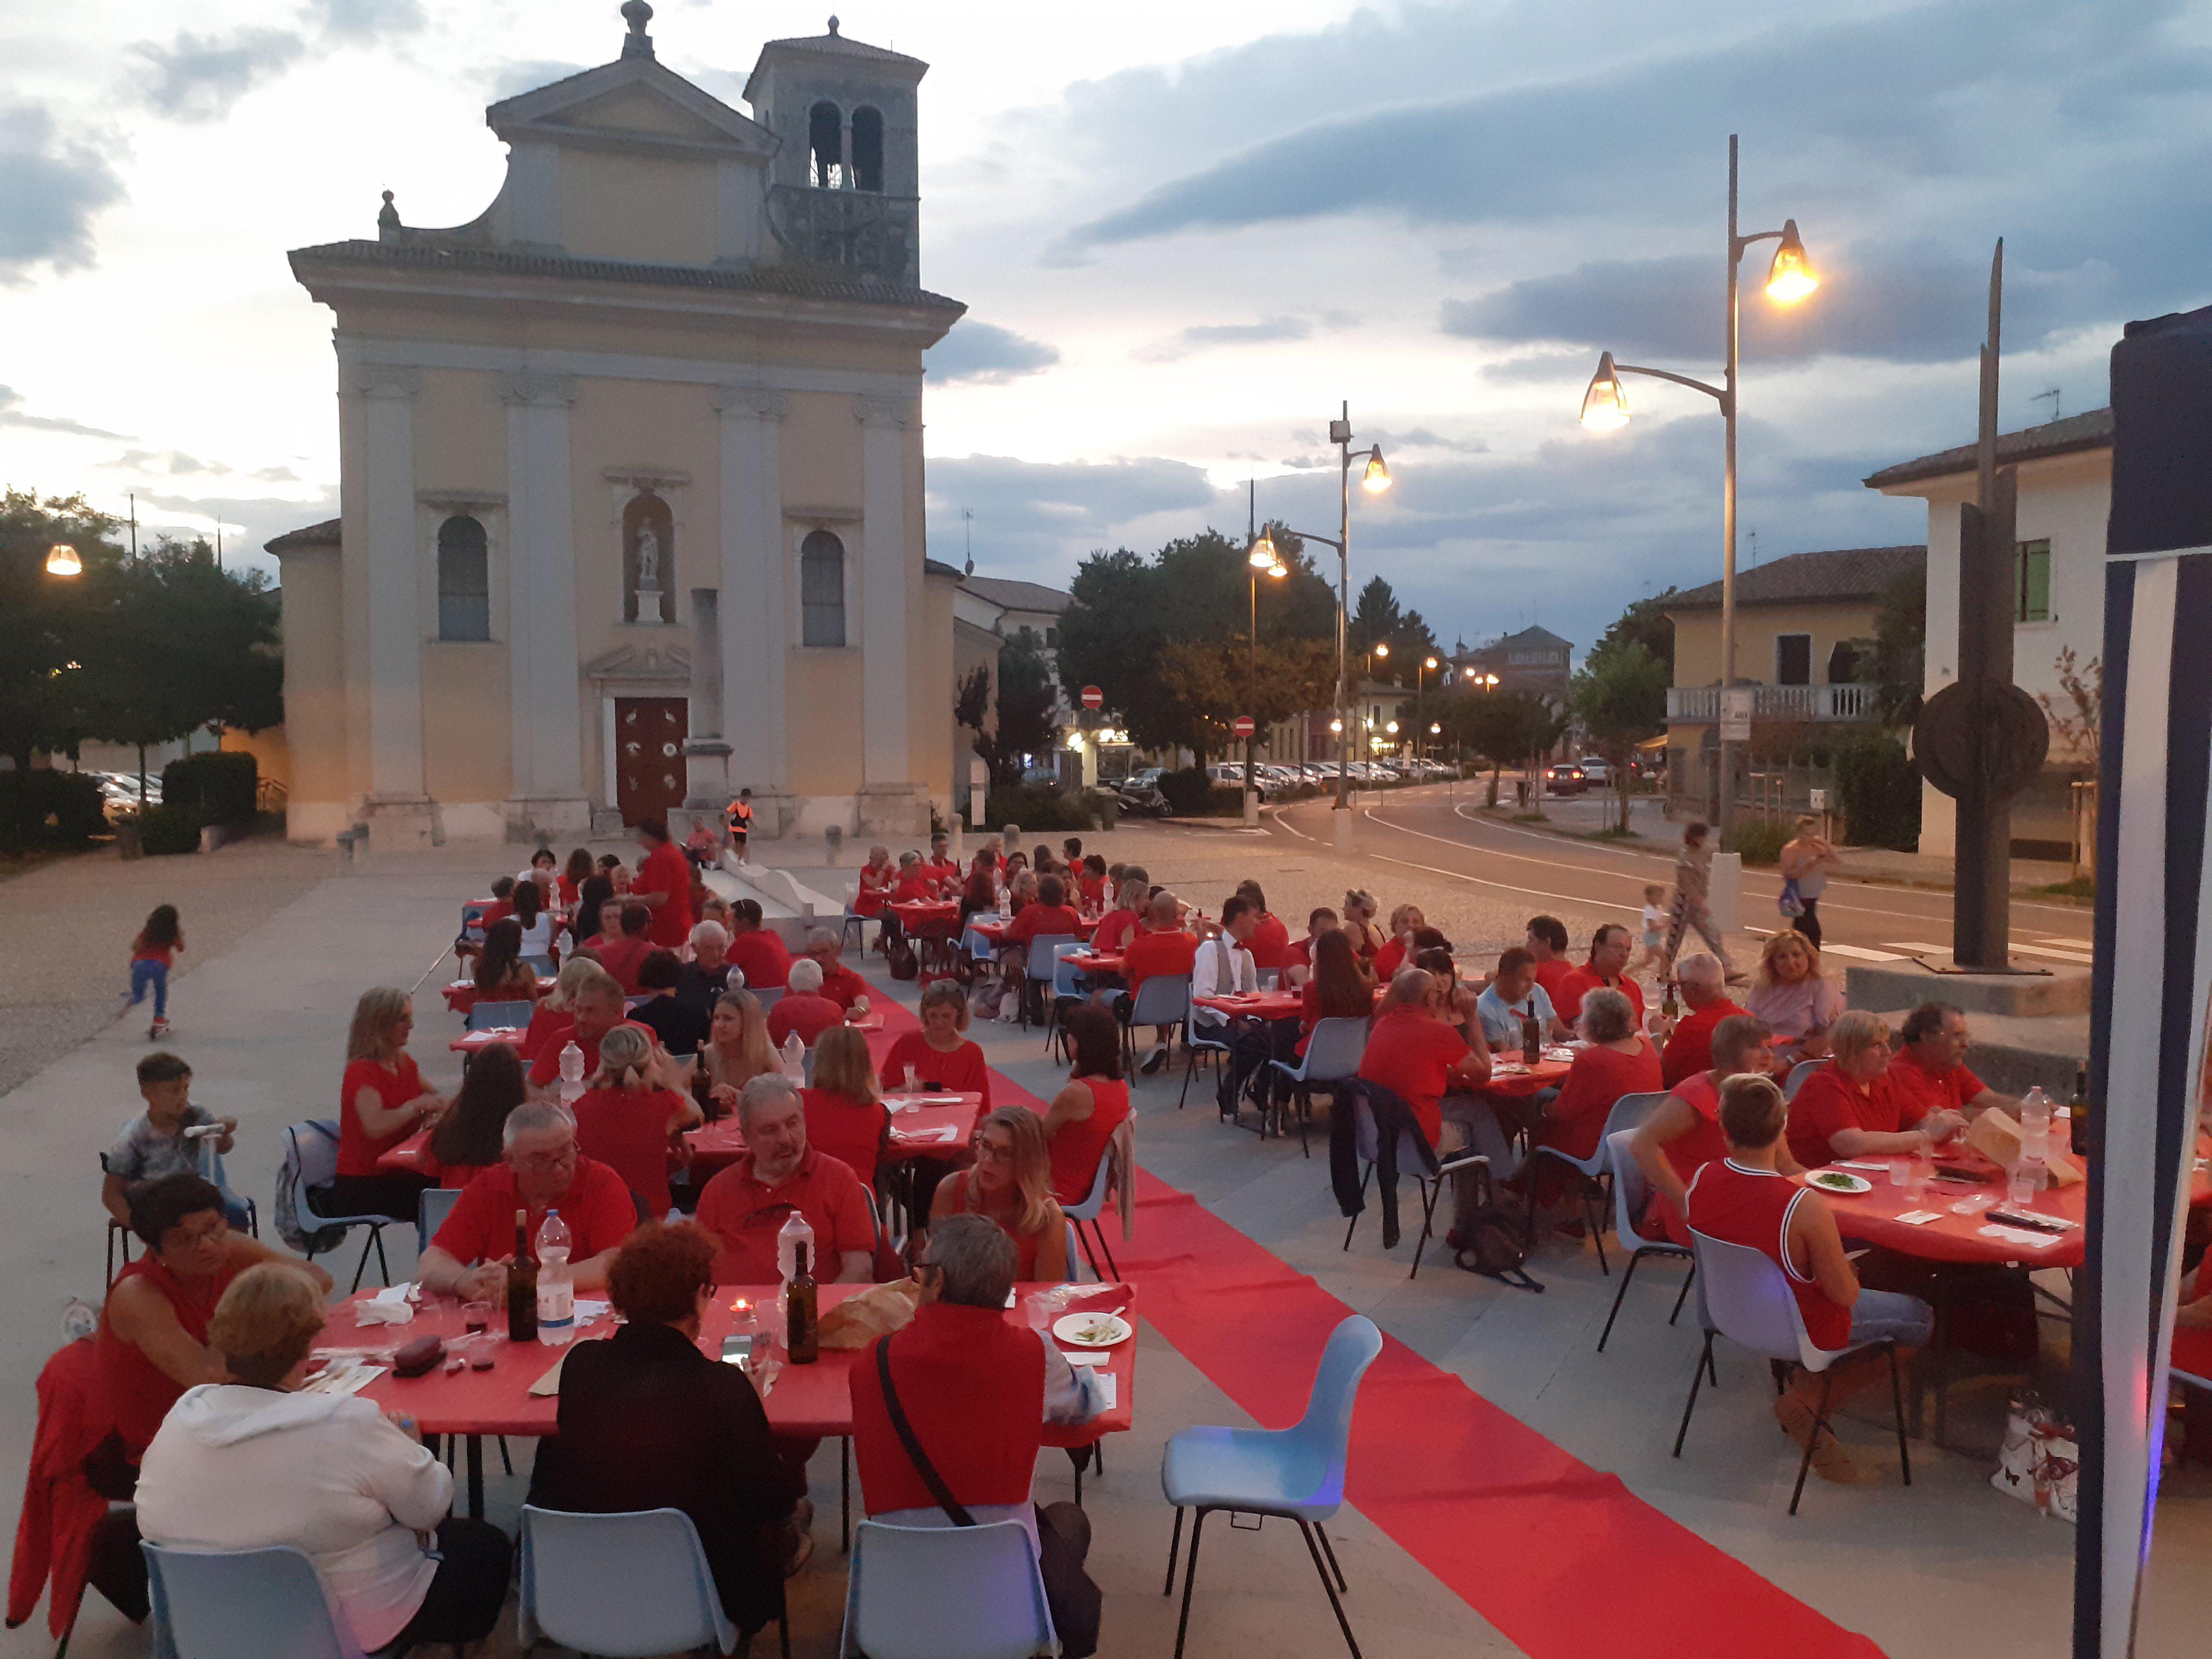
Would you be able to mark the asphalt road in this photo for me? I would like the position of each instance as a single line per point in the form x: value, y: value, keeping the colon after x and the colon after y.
x: 1427, y: 829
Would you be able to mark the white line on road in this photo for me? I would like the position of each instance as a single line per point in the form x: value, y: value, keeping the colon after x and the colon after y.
x: 1859, y: 953
x: 2080, y: 958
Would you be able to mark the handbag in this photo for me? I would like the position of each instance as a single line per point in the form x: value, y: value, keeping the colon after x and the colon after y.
x: 2040, y: 1461
x: 1491, y: 1242
x: 1075, y: 1602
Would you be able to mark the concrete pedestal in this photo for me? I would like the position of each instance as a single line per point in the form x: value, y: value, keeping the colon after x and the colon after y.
x: 1898, y: 986
x: 543, y: 820
x: 401, y: 824
x: 1339, y: 821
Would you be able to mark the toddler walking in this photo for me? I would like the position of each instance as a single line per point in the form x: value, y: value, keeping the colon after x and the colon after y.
x: 1652, y: 948
x: 152, y: 954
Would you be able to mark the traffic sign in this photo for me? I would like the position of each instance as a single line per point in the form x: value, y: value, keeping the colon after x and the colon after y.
x: 1093, y: 697
x: 1242, y: 727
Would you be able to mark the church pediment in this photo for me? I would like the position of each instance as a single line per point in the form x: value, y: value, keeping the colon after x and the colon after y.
x: 641, y: 662
x: 634, y: 102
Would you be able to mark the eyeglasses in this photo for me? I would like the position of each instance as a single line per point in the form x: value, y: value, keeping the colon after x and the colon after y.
x: 986, y: 1149
x: 548, y: 1160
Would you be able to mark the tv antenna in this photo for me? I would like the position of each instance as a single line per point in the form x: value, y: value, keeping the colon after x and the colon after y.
x: 2056, y: 413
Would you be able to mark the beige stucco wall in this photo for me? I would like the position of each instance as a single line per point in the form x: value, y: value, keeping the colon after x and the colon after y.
x: 315, y: 682
x: 650, y: 209
x: 1697, y: 639
x: 929, y: 711
x: 468, y: 753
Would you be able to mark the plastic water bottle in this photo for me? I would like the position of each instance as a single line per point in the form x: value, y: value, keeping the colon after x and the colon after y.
x: 556, y: 1285
x: 571, y: 1073
x: 2035, y: 1116
x: 794, y: 1233
x: 793, y: 1063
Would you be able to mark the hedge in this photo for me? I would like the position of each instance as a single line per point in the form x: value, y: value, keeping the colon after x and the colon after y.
x: 1192, y: 793
x: 1759, y: 841
x: 1040, y: 806
x: 1880, y: 793
x: 167, y: 828
x: 41, y: 808
x: 220, y: 787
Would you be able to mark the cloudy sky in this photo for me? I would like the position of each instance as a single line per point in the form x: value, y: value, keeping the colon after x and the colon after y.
x: 1185, y: 233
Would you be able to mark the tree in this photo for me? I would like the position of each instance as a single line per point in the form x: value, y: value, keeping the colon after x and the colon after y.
x: 1025, y: 719
x: 1898, y: 670
x: 1621, y: 697
x: 46, y: 621
x: 1645, y: 624
x: 1216, y: 682
x: 1377, y: 619
x: 2078, y: 727
x: 1502, y: 726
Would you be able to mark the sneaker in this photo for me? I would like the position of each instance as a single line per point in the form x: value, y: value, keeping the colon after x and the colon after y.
x: 159, y: 1029
x: 1158, y: 1058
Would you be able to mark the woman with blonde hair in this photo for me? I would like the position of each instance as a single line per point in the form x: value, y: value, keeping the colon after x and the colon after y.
x: 737, y: 1051
x: 630, y: 1121
x: 1795, y: 998
x: 1011, y: 1183
x: 556, y: 1009
x: 382, y: 1100
x: 844, y: 1115
x: 1359, y: 926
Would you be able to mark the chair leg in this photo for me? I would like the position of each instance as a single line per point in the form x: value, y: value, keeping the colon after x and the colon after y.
x: 1591, y: 1192
x: 1697, y: 1382
x: 1083, y: 1242
x: 1897, y: 1402
x: 845, y: 1491
x: 1626, y: 1274
x: 505, y: 1462
x: 383, y: 1267
x: 1820, y: 1422
x: 1189, y: 1578
x: 1174, y: 1547
x: 1334, y: 1606
x: 1431, y: 1191
x: 361, y: 1266
x: 1098, y: 1233
x: 1685, y: 1294
x: 1365, y: 1175
x: 1322, y: 1533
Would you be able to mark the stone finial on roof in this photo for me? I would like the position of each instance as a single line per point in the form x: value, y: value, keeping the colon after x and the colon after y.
x: 388, y: 221
x: 833, y: 24
x: 637, y: 43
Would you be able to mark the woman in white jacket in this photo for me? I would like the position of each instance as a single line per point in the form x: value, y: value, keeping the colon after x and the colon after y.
x: 252, y: 1463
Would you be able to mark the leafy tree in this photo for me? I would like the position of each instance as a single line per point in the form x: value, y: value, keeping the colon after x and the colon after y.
x: 45, y: 621
x: 1645, y: 624
x: 2079, y: 727
x: 1378, y: 619
x: 1621, y: 696
x: 1897, y: 669
x: 1216, y: 682
x: 1502, y: 727
x: 1025, y: 719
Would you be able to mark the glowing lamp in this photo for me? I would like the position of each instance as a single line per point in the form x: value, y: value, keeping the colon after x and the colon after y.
x: 1605, y: 406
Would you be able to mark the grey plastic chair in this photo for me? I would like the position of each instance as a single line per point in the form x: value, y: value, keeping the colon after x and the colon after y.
x: 1629, y: 1190
x: 431, y: 1209
x: 241, y: 1604
x: 623, y: 1586
x: 944, y: 1593
x: 1798, y: 1073
x: 1162, y: 1000
x: 1333, y: 1054
x: 310, y: 1159
x: 1626, y: 1113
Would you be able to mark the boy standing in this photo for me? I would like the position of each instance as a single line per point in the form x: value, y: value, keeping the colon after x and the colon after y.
x: 159, y: 1141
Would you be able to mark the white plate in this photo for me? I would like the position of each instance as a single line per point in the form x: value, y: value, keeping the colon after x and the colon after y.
x: 1830, y: 1181
x: 1070, y: 1328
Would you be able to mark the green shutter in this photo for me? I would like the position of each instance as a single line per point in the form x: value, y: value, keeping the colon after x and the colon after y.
x: 2031, y: 583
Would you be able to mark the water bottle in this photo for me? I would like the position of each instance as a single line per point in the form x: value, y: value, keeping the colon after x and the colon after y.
x: 794, y: 1233
x: 571, y: 1073
x: 2035, y: 1114
x: 793, y: 1061
x: 556, y: 1285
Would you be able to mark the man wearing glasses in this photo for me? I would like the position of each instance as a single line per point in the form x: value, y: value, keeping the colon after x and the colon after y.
x: 541, y: 1170
x: 745, y: 1206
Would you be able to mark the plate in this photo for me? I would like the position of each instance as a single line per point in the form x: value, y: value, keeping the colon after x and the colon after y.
x: 1111, y: 1329
x: 1835, y: 1181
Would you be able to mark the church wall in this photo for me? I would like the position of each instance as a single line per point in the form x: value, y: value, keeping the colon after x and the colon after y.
x: 929, y: 712
x: 315, y: 684
x: 651, y: 209
x: 467, y: 745
x: 820, y: 463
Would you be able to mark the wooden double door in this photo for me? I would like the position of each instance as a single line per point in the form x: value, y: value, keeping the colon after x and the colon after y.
x: 649, y: 767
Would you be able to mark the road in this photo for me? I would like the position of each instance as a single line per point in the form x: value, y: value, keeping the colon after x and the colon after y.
x: 1430, y: 831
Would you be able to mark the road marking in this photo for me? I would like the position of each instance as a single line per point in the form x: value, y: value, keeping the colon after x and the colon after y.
x: 1859, y: 953
x: 1919, y: 947
x: 2080, y: 958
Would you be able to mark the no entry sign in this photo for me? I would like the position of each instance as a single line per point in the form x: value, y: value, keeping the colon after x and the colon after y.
x: 1093, y: 697
x: 1242, y: 727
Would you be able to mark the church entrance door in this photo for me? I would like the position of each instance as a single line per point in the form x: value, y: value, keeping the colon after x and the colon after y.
x: 649, y: 770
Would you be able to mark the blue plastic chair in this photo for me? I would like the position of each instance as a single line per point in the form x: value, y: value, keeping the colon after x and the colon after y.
x: 431, y: 1209
x: 1414, y: 1159
x: 241, y: 1604
x: 1065, y: 991
x: 1163, y: 1000
x: 1629, y: 1189
x: 487, y: 1016
x: 619, y: 1585
x: 1332, y: 1057
x: 1626, y: 1113
x: 1217, y: 1042
x: 1092, y: 1207
x: 1296, y: 1473
x: 310, y: 1159
x: 944, y: 1593
x: 1041, y: 967
x: 1798, y: 1073
x: 1743, y: 1295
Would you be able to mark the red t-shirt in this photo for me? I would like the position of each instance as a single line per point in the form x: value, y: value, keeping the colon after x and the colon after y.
x: 1077, y: 1148
x: 597, y: 1206
x: 850, y: 1130
x: 964, y: 1071
x: 1567, y: 1001
x: 916, y: 885
x: 1270, y: 944
x: 875, y: 888
x: 1149, y: 954
x: 623, y: 957
x: 947, y: 875
x: 1093, y: 889
x: 1829, y: 1103
x: 761, y: 957
x: 1114, y: 930
x: 745, y: 1217
x: 547, y: 1024
x: 1742, y: 1206
x: 395, y: 1085
x: 1389, y: 959
x: 1043, y: 922
x: 842, y: 986
x: 1600, y: 1077
x: 1690, y: 1152
x: 1690, y: 1050
x: 809, y: 1016
x: 628, y: 1131
x: 546, y: 1068
x: 1552, y: 976
x: 1930, y: 1092
x: 1410, y: 1053
x: 666, y: 871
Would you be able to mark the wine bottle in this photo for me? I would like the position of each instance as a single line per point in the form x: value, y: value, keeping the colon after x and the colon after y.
x: 802, y: 1327
x: 1532, y: 1037
x: 1671, y: 1005
x: 522, y: 1285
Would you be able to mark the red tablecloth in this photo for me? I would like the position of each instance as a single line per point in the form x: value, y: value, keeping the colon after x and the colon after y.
x: 1516, y: 1085
x: 469, y: 1041
x: 806, y: 1400
x: 1260, y: 1005
x: 461, y: 994
x: 916, y: 1131
x: 1094, y: 962
x: 926, y: 916
x: 1871, y: 1218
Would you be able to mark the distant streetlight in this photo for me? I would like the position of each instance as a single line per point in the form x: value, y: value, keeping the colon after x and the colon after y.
x: 1420, y: 674
x: 1260, y: 561
x: 1790, y: 279
x: 62, y: 560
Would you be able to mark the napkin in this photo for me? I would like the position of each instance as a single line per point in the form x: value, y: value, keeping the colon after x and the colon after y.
x: 550, y: 1383
x: 343, y: 1377
x: 2019, y: 1236
x: 1108, y: 1389
x: 1920, y: 1217
x: 949, y: 1132
x: 1087, y: 1356
x: 388, y: 1306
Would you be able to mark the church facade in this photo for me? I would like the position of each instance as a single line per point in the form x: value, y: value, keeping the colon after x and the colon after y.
x: 631, y: 475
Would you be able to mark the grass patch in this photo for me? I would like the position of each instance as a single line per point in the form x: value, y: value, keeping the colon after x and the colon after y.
x: 1616, y: 833
x: 1531, y: 817
x: 2079, y: 887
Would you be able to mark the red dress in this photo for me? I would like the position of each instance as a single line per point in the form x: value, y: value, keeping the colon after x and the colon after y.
x: 131, y: 1395
x: 1077, y: 1148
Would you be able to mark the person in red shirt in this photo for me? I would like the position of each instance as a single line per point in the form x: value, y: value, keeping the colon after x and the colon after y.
x: 1704, y: 986
x: 1930, y: 1067
x: 1546, y: 941
x: 542, y: 1171
x: 1610, y: 947
x: 1618, y: 1061
x: 1849, y: 1108
x: 1091, y: 882
x: 1415, y: 1050
x: 1050, y: 915
x: 1745, y: 1198
x: 629, y: 1119
x: 943, y: 867
x: 802, y: 1007
x: 1404, y: 921
x: 939, y: 1055
x: 580, y: 869
x: 839, y: 983
x: 1683, y: 1135
x: 624, y: 955
x: 916, y: 882
x: 876, y: 877
x: 1119, y: 924
x: 1298, y: 958
x: 382, y: 1100
x: 1270, y: 944
x: 844, y: 1115
x: 746, y: 1205
x: 1092, y: 1104
x: 1161, y: 949
x: 663, y: 885
x: 597, y: 1004
x: 758, y: 952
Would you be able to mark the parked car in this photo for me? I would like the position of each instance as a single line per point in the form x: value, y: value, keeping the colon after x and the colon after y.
x: 1230, y: 774
x: 1594, y: 769
x: 1145, y: 777
x: 1565, y: 780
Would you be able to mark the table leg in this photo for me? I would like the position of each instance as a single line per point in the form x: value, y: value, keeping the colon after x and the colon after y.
x: 476, y: 1477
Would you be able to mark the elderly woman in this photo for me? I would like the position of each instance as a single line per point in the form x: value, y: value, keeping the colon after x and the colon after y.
x: 940, y: 1055
x: 648, y: 1422
x: 737, y: 1051
x: 382, y: 1100
x: 707, y: 975
x: 1618, y: 1061
x: 1011, y: 1183
x: 1406, y: 922
x: 246, y: 1462
x: 802, y: 1007
x: 1848, y: 1108
x: 1795, y: 1001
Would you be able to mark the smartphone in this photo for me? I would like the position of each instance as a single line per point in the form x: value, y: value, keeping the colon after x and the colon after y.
x: 738, y: 1350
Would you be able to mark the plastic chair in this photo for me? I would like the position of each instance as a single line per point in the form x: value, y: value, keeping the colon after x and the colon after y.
x: 1332, y: 1056
x: 310, y: 1159
x: 431, y: 1209
x: 1629, y: 1191
x: 1414, y: 1159
x: 485, y: 1016
x: 1212, y: 1040
x: 853, y: 923
x: 1065, y: 992
x: 1162, y: 1000
x: 944, y: 1593
x: 1270, y: 978
x: 1041, y: 966
x: 241, y: 1604
x: 544, y: 967
x: 619, y: 1585
x: 1090, y: 1209
x: 1798, y: 1073
x: 1744, y: 1296
x: 1296, y: 1473
x: 1626, y: 1113
x: 768, y: 996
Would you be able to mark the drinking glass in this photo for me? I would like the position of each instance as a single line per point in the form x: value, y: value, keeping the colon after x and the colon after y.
x: 476, y: 1317
x: 1900, y: 1171
x: 1036, y: 1309
x: 1918, y: 1174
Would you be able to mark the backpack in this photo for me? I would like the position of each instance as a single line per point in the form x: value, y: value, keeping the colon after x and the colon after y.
x: 1489, y: 1242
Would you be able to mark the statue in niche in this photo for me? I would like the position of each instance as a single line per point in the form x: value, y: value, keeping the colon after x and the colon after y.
x: 648, y: 529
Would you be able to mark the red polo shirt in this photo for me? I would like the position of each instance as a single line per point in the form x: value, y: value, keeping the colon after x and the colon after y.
x: 1567, y: 1001
x: 1410, y: 1053
x: 1148, y: 955
x: 597, y: 1206
x: 1270, y: 944
x: 1114, y: 929
x: 809, y: 1016
x: 623, y: 957
x: 745, y: 1217
x: 1552, y: 976
x: 395, y: 1085
x: 546, y: 1068
x: 842, y: 986
x: 1931, y: 1091
x: 667, y: 872
x: 1043, y: 922
x: 1389, y: 959
x: 1690, y: 1152
x: 1690, y: 1050
x: 761, y: 957
x: 1829, y: 1103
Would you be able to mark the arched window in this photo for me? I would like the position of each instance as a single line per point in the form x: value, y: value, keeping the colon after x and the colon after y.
x: 464, y: 580
x: 822, y: 589
x: 825, y: 147
x: 868, y: 148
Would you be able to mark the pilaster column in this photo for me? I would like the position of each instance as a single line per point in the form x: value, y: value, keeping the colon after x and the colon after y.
x: 393, y: 564
x: 885, y: 599
x: 755, y: 607
x: 544, y: 702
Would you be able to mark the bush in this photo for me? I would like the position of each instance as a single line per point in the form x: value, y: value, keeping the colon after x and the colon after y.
x: 1040, y: 806
x: 220, y: 787
x: 42, y: 808
x: 1759, y: 840
x: 1192, y: 793
x: 1880, y: 793
x: 167, y: 828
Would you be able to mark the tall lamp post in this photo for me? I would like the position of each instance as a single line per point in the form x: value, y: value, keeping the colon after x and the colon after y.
x: 1605, y: 409
x: 1260, y: 560
x: 1420, y: 674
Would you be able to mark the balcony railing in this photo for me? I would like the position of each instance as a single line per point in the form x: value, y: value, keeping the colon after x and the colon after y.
x: 847, y: 229
x: 1693, y: 703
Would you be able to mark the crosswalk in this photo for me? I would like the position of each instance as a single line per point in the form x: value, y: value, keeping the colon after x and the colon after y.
x: 2051, y: 947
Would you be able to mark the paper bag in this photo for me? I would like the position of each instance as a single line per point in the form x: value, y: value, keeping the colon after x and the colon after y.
x: 877, y: 1311
x: 1996, y: 1136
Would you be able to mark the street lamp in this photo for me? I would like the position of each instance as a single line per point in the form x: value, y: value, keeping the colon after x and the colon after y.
x: 1790, y: 279
x: 1420, y: 674
x: 1262, y: 560
x: 62, y: 560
